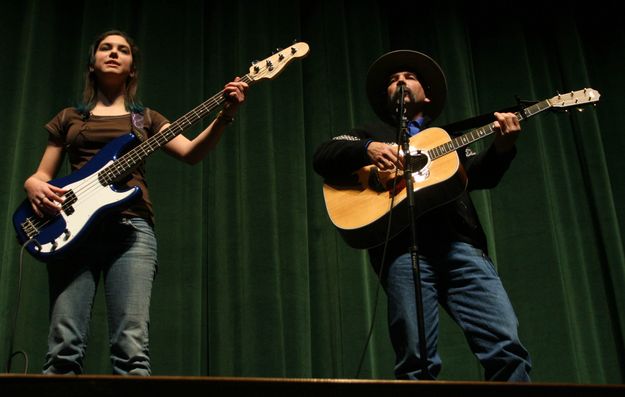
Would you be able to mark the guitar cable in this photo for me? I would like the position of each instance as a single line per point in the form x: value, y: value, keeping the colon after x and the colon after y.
x: 15, y: 314
x: 380, y: 272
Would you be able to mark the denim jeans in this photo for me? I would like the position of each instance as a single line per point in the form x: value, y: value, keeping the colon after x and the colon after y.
x: 464, y: 281
x: 123, y: 252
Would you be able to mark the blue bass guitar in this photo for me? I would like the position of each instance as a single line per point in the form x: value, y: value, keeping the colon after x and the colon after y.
x: 94, y: 189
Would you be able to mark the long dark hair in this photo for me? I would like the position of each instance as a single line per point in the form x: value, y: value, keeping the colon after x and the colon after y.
x: 91, y: 85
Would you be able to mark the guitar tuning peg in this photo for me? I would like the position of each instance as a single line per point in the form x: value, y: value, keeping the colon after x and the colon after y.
x: 580, y: 110
x: 256, y: 67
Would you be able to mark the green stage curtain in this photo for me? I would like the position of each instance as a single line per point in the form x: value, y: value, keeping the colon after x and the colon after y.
x: 253, y: 278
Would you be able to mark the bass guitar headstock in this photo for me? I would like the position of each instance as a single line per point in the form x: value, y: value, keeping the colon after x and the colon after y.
x: 271, y: 66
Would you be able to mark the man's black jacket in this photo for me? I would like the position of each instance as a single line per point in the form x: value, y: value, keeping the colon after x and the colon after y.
x: 337, y: 159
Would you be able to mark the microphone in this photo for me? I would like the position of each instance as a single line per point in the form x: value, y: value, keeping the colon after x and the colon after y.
x: 402, y: 131
x: 398, y: 97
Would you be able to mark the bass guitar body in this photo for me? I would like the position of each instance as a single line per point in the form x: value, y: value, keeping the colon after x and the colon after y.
x: 85, y: 201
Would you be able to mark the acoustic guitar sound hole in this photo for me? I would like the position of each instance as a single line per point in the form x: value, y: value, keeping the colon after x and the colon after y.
x: 418, y: 161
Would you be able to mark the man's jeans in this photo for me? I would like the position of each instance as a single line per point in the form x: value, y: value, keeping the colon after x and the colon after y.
x: 464, y: 281
x: 124, y: 252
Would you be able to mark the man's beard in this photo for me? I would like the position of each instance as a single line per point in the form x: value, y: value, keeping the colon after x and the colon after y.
x: 393, y: 102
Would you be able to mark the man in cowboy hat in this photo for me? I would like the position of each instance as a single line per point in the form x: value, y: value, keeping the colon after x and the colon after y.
x: 455, y: 270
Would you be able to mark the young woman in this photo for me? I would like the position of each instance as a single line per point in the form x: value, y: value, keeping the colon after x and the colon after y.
x: 121, y: 248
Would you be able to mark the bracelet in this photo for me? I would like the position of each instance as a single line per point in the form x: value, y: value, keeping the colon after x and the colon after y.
x: 224, y: 117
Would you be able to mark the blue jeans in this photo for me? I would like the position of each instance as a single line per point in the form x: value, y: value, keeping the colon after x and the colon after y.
x: 464, y: 281
x: 123, y: 251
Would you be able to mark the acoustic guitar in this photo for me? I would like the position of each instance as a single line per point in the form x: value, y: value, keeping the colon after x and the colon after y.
x: 361, y: 212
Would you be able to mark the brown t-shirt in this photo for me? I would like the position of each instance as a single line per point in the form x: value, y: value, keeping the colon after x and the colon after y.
x: 83, y: 138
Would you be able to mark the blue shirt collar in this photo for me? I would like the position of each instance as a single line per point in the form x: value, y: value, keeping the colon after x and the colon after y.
x: 414, y: 126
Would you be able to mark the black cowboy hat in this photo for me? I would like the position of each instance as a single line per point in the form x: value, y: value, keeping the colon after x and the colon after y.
x: 428, y: 72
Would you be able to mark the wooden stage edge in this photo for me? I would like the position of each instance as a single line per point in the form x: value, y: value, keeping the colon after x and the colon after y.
x: 106, y: 385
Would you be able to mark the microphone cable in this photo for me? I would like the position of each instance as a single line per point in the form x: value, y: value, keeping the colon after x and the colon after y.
x: 380, y: 270
x: 15, y: 314
x: 399, y: 95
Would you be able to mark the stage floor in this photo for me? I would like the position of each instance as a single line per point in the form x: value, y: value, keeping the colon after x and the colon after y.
x: 101, y: 385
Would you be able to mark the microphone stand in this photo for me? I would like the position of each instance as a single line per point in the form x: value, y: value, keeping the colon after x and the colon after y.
x: 414, y: 248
